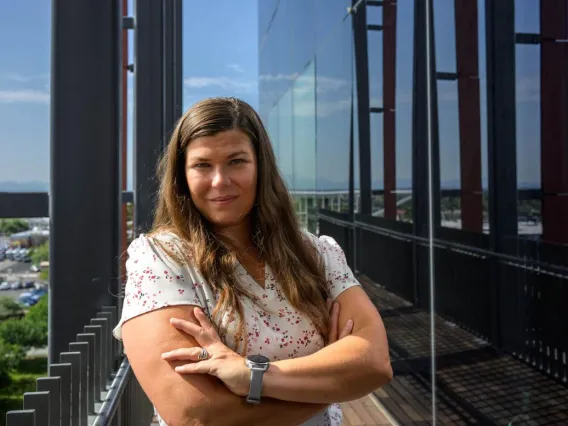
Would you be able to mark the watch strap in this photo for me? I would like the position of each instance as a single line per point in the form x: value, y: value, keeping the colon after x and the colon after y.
x: 255, y: 390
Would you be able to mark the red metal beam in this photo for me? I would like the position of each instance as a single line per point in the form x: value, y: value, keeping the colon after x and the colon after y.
x: 389, y: 85
x: 467, y: 67
x: 553, y: 121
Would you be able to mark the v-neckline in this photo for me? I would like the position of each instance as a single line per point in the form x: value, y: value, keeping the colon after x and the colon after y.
x: 253, y: 279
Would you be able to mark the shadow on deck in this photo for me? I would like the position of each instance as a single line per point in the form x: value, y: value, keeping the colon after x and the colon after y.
x: 476, y: 384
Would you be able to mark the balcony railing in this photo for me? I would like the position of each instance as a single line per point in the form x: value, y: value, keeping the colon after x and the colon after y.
x: 90, y: 385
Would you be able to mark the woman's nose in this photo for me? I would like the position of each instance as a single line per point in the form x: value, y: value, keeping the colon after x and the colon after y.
x: 220, y: 178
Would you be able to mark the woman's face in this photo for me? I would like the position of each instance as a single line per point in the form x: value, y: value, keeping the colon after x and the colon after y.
x: 221, y: 174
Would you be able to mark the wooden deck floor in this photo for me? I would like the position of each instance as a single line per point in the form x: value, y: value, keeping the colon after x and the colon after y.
x: 363, y: 412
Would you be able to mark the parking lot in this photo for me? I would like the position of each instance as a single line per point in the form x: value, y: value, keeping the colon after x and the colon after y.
x: 11, y: 267
x: 12, y: 271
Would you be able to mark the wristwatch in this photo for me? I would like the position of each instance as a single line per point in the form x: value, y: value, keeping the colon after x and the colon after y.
x: 258, y: 364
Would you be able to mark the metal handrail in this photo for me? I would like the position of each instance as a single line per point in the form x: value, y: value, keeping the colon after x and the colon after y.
x: 117, y: 389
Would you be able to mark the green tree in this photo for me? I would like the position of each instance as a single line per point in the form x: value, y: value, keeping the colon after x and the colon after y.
x: 11, y: 226
x: 9, y: 308
x: 44, y: 275
x: 29, y: 332
x: 38, y: 314
x: 40, y: 254
x: 22, y: 333
x: 10, y: 358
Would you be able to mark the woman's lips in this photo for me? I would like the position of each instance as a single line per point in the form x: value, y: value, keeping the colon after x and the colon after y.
x: 222, y: 201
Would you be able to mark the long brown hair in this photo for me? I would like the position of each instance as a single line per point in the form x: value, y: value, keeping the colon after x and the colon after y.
x: 275, y: 231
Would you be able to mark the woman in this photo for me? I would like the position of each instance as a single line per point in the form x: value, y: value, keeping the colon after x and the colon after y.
x: 227, y: 300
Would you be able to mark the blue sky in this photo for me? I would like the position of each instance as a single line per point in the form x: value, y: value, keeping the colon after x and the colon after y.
x: 219, y: 58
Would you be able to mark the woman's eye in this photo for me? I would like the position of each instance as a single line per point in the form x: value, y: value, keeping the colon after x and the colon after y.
x: 237, y: 161
x: 202, y: 165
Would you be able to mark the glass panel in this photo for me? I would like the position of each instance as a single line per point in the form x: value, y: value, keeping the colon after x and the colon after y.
x: 449, y: 140
x: 272, y: 129
x: 286, y: 138
x: 445, y: 35
x: 304, y: 167
x: 334, y: 88
x: 374, y: 15
x: 304, y: 111
x: 374, y: 48
x: 528, y: 139
x: 527, y: 16
x: 377, y: 165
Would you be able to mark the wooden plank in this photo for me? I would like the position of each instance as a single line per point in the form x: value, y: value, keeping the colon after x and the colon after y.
x: 362, y: 412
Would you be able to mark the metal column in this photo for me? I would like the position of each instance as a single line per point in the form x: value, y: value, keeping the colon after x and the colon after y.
x: 389, y: 105
x: 469, y: 114
x: 149, y: 110
x: 85, y: 181
x: 363, y: 107
x: 178, y: 59
x: 554, y: 124
x: 501, y: 141
x: 421, y: 192
x: 168, y: 69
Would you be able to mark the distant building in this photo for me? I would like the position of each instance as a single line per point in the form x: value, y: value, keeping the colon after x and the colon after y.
x: 31, y: 238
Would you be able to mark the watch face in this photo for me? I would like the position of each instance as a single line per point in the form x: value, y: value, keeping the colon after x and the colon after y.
x: 258, y: 359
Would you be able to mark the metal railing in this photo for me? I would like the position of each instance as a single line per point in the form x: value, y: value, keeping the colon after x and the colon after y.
x: 91, y: 385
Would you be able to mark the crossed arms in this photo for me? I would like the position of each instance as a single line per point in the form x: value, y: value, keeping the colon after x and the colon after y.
x: 294, y: 390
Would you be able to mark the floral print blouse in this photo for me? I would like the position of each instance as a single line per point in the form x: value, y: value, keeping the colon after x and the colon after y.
x: 273, y: 327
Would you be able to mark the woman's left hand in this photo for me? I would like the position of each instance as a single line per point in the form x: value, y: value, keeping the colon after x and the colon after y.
x: 222, y: 362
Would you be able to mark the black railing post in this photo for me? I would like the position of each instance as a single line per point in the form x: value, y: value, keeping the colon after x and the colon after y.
x: 149, y: 109
x: 501, y: 143
x: 85, y: 188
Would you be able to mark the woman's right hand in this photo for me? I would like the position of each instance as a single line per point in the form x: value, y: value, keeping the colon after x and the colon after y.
x: 336, y: 332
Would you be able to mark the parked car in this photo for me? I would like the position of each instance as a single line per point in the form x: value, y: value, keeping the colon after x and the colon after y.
x: 4, y: 286
x: 31, y: 298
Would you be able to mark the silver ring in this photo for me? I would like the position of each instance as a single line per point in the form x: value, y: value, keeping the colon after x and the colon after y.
x: 203, y: 355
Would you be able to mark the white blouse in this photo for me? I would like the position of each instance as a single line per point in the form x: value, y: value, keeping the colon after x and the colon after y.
x: 273, y: 327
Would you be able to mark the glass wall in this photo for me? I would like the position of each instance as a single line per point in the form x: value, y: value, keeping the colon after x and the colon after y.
x: 334, y: 103
x: 304, y: 130
x: 456, y: 217
x: 306, y: 94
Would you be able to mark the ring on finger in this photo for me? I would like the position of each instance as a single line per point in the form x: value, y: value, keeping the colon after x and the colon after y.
x: 203, y: 355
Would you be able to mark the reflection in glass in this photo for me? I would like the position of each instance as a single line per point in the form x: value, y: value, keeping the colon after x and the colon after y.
x: 334, y: 97
x: 286, y: 138
x: 304, y: 111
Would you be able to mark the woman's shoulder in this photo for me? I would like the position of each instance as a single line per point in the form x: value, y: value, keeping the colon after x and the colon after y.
x: 159, y: 274
x: 322, y: 243
x: 160, y: 245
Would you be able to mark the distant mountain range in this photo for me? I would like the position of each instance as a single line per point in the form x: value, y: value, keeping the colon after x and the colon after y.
x: 39, y: 186
x: 31, y: 186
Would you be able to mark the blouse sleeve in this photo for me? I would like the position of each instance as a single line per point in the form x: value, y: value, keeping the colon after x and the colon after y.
x: 338, y: 273
x: 155, y: 279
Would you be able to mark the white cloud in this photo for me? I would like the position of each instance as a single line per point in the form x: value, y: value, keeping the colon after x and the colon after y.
x: 25, y: 96
x: 278, y: 77
x: 225, y: 83
x: 236, y: 67
x: 20, y: 78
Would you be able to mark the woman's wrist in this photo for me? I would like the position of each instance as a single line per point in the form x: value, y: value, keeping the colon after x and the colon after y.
x: 273, y: 382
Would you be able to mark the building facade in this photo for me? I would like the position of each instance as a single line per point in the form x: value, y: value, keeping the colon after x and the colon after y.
x: 429, y: 138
